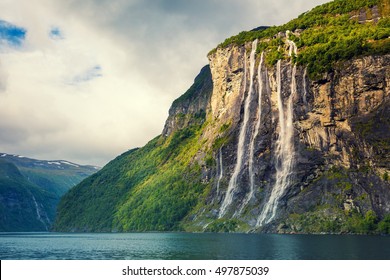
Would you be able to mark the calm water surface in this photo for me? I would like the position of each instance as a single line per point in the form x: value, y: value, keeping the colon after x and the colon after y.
x: 195, y: 246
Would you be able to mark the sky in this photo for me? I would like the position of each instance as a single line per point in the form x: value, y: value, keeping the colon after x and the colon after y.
x: 87, y: 80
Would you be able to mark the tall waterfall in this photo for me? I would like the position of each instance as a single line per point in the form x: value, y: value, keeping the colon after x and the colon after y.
x: 284, y: 145
x: 254, y: 136
x: 242, y: 138
x: 220, y: 170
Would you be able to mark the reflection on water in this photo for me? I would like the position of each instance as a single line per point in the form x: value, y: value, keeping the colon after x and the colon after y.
x: 196, y: 246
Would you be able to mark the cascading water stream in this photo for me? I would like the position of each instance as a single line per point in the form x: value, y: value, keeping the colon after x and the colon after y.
x: 241, y: 140
x: 220, y: 170
x: 292, y: 46
x: 284, y: 146
x: 38, y: 212
x: 254, y: 136
x: 304, y: 87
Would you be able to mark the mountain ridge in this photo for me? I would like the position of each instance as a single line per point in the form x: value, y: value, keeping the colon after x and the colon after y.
x: 30, y: 190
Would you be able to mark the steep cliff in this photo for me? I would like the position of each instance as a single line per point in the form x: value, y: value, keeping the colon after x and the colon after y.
x: 285, y: 131
x: 314, y: 152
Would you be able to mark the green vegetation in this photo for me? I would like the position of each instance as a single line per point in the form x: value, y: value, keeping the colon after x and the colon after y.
x: 225, y: 127
x: 200, y: 82
x: 57, y: 181
x: 328, y: 219
x: 151, y: 188
x: 18, y: 211
x: 326, y: 35
x: 317, y: 221
x: 162, y: 199
x: 384, y: 225
x: 24, y: 181
x: 386, y: 176
x: 329, y: 215
x: 223, y: 225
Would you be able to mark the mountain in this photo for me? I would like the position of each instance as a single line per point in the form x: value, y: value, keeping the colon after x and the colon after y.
x: 30, y: 190
x: 286, y: 130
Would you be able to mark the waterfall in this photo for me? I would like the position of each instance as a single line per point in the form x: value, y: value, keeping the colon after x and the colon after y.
x: 242, y: 138
x: 284, y: 145
x: 220, y: 170
x: 254, y: 136
x: 292, y: 47
x: 38, y: 212
x: 304, y: 88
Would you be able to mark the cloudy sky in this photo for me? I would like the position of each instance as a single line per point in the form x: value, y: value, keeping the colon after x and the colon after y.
x: 87, y: 80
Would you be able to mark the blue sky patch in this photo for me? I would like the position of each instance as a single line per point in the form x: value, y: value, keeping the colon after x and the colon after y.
x: 90, y: 74
x: 11, y: 35
x: 56, y: 33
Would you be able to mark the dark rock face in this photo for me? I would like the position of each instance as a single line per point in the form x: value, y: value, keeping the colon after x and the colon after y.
x: 191, y: 107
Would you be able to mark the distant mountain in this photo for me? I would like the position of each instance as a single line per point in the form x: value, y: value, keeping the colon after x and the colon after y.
x: 30, y: 190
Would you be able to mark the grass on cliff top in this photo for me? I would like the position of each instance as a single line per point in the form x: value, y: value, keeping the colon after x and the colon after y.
x: 325, y: 35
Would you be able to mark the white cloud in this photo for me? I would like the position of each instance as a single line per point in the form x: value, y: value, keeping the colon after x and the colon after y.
x: 96, y: 77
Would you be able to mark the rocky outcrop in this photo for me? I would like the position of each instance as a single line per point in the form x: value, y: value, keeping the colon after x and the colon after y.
x: 191, y: 107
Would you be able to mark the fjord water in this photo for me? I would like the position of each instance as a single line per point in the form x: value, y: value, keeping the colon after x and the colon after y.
x: 191, y: 246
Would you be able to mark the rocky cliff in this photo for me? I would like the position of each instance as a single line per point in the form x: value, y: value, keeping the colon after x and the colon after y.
x: 323, y: 143
x: 287, y: 130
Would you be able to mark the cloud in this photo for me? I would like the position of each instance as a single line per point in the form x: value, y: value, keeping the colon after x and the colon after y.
x: 94, y: 78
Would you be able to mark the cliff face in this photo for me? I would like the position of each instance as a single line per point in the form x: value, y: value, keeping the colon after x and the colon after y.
x: 192, y: 105
x: 284, y: 131
x: 324, y: 144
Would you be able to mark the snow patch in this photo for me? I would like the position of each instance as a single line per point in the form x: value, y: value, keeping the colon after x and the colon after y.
x: 69, y: 163
x: 54, y: 162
